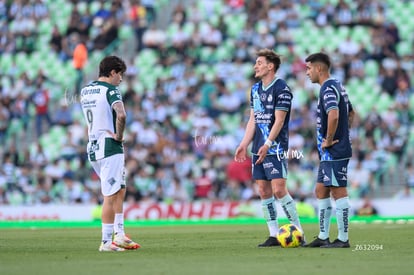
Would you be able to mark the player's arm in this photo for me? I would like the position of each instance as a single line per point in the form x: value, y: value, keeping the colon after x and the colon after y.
x: 280, y: 116
x: 241, y: 151
x: 333, y: 118
x: 250, y: 128
x: 120, y: 122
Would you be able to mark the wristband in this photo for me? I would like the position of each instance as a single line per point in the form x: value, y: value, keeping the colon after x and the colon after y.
x: 268, y: 142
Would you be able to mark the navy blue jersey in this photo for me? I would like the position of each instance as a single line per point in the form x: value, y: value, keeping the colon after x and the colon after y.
x: 332, y: 95
x: 264, y: 102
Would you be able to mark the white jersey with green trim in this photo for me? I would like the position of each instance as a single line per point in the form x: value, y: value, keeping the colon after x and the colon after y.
x: 97, y: 99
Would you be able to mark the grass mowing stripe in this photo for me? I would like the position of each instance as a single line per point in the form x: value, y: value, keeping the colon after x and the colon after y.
x: 205, y: 249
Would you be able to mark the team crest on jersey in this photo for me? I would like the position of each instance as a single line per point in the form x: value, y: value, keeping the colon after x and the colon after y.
x: 263, y: 97
x: 269, y: 98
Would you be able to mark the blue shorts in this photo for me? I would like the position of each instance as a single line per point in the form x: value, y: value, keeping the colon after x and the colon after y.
x: 333, y: 173
x: 270, y: 168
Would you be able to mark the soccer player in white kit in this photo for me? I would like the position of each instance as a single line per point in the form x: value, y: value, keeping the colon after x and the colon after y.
x: 105, y: 116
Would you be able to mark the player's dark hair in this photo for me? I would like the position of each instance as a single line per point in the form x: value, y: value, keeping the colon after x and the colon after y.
x: 110, y: 63
x: 319, y: 57
x: 271, y: 56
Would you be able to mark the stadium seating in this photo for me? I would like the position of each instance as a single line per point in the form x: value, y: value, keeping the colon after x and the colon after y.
x: 365, y: 92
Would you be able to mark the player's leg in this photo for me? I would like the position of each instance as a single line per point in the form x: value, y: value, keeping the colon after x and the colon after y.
x: 268, y: 203
x: 340, y: 195
x: 287, y: 202
x: 108, y: 214
x: 120, y: 239
x: 115, y: 170
x: 322, y: 194
x: 280, y: 190
x: 107, y: 210
x: 119, y: 213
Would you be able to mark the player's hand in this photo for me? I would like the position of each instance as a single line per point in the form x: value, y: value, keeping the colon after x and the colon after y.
x: 326, y: 143
x: 240, y: 154
x: 114, y: 136
x: 262, y: 153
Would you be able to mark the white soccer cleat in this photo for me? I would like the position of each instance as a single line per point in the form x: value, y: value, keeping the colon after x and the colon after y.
x: 110, y: 247
x: 125, y: 242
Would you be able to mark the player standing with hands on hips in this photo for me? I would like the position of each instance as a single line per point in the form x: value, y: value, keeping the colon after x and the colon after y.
x: 105, y: 116
x: 334, y: 117
x: 270, y: 104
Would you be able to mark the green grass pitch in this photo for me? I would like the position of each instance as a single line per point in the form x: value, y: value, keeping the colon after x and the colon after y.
x: 205, y: 249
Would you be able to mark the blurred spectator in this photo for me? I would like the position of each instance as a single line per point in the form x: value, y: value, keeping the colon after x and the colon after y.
x: 68, y: 190
x: 239, y: 171
x: 360, y: 181
x: 151, y: 10
x: 389, y: 81
x: 176, y: 191
x: 63, y: 115
x: 107, y: 33
x: 20, y: 110
x: 154, y: 38
x: 367, y: 208
x: 198, y: 90
x: 138, y: 17
x: 179, y: 15
x: 79, y: 59
x: 203, y: 186
x: 4, y: 122
x: 343, y: 14
x: 42, y: 193
x: 40, y: 98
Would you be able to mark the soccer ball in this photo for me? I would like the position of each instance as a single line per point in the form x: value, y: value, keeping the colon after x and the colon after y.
x: 289, y: 236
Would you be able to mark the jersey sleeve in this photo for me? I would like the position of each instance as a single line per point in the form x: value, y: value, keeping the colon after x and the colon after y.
x: 113, y: 96
x: 330, y: 99
x: 284, y: 100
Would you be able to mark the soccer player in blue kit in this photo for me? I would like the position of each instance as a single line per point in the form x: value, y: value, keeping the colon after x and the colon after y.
x: 334, y: 117
x: 270, y: 104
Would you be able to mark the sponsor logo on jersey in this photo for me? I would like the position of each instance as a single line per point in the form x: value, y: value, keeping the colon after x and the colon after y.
x: 88, y: 91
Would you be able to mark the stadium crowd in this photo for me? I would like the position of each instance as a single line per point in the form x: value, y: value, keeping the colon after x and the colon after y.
x: 183, y: 127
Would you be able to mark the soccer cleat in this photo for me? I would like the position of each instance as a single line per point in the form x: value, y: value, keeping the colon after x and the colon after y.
x: 303, y: 242
x: 105, y: 247
x: 318, y: 242
x: 337, y: 244
x: 125, y: 242
x: 271, y: 241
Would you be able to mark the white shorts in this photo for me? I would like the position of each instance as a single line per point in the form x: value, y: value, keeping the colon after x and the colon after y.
x: 111, y: 171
